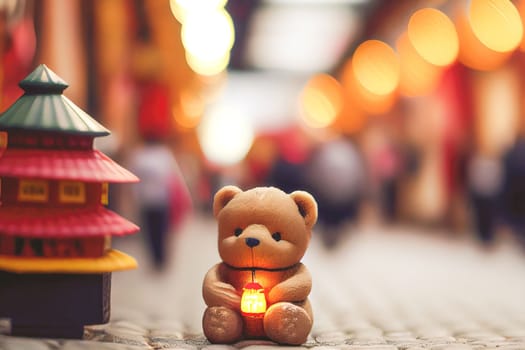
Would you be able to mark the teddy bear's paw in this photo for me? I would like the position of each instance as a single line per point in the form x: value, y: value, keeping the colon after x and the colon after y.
x: 286, y: 323
x: 222, y: 325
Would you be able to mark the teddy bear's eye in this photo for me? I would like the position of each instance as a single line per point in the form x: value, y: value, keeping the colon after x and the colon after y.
x: 276, y: 236
x: 237, y: 231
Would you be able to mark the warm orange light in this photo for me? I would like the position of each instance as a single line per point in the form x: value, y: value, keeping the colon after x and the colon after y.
x: 472, y: 52
x: 496, y: 23
x: 351, y: 119
x: 418, y: 77
x: 187, y: 113
x: 360, y: 97
x: 253, y: 300
x: 521, y: 11
x: 376, y: 67
x: 321, y: 101
x: 433, y: 36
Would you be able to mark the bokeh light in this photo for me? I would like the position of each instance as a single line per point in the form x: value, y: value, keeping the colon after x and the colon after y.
x: 521, y: 10
x: 472, y: 52
x: 225, y: 136
x: 433, y: 36
x: 376, y: 67
x: 180, y: 8
x: 187, y: 113
x: 496, y: 23
x: 208, y: 66
x: 321, y: 101
x: 497, y: 106
x: 361, y: 98
x: 208, y: 36
x: 351, y: 119
x: 418, y: 77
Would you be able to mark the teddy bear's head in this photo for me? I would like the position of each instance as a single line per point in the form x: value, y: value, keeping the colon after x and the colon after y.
x: 263, y: 227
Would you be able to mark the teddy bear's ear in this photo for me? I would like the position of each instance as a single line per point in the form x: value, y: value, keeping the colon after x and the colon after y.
x: 223, y: 196
x: 307, y: 206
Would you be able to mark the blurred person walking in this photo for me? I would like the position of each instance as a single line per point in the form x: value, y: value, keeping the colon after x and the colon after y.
x: 484, y: 185
x: 513, y: 192
x: 335, y: 176
x: 161, y: 195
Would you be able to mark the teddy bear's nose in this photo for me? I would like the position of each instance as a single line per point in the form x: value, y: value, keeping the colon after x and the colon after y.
x: 252, y: 242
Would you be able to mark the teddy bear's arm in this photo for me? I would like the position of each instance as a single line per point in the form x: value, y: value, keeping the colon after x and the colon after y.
x: 218, y: 293
x: 294, y: 289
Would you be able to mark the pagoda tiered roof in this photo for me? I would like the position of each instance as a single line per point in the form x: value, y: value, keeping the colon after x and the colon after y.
x: 53, y: 222
x: 87, y: 166
x: 43, y: 107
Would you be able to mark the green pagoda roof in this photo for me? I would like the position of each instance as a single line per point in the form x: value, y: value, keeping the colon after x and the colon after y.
x: 44, y: 108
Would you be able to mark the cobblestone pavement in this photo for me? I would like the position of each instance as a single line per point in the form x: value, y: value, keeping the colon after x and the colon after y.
x: 381, y: 289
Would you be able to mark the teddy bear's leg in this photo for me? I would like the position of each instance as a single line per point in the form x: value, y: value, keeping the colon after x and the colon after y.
x: 222, y: 325
x: 287, y: 323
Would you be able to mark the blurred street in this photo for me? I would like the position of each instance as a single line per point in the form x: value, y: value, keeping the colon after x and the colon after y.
x: 404, y: 119
x: 381, y: 287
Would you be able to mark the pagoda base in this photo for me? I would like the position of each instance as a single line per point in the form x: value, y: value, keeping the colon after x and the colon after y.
x: 54, y: 305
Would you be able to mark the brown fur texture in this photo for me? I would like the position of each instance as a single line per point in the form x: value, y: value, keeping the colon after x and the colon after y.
x: 258, y: 214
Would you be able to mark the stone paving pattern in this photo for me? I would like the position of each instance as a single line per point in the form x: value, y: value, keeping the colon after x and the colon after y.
x: 383, y: 288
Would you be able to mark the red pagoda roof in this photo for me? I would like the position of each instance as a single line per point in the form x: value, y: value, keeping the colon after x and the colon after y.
x: 85, y: 165
x: 63, y: 222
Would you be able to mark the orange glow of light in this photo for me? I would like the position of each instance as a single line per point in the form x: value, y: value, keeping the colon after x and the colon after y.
x: 521, y: 11
x: 187, y: 114
x: 253, y: 300
x: 472, y: 52
x: 418, y: 77
x: 496, y: 23
x: 362, y: 98
x: 321, y: 101
x: 351, y: 119
x: 376, y: 67
x: 434, y: 37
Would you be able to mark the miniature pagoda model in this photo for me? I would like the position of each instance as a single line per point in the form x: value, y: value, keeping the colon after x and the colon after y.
x: 55, y: 232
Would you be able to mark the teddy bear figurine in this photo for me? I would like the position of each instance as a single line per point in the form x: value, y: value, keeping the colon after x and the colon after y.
x: 260, y: 289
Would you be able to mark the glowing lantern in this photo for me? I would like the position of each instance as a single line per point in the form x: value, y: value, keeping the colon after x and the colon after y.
x: 253, y: 300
